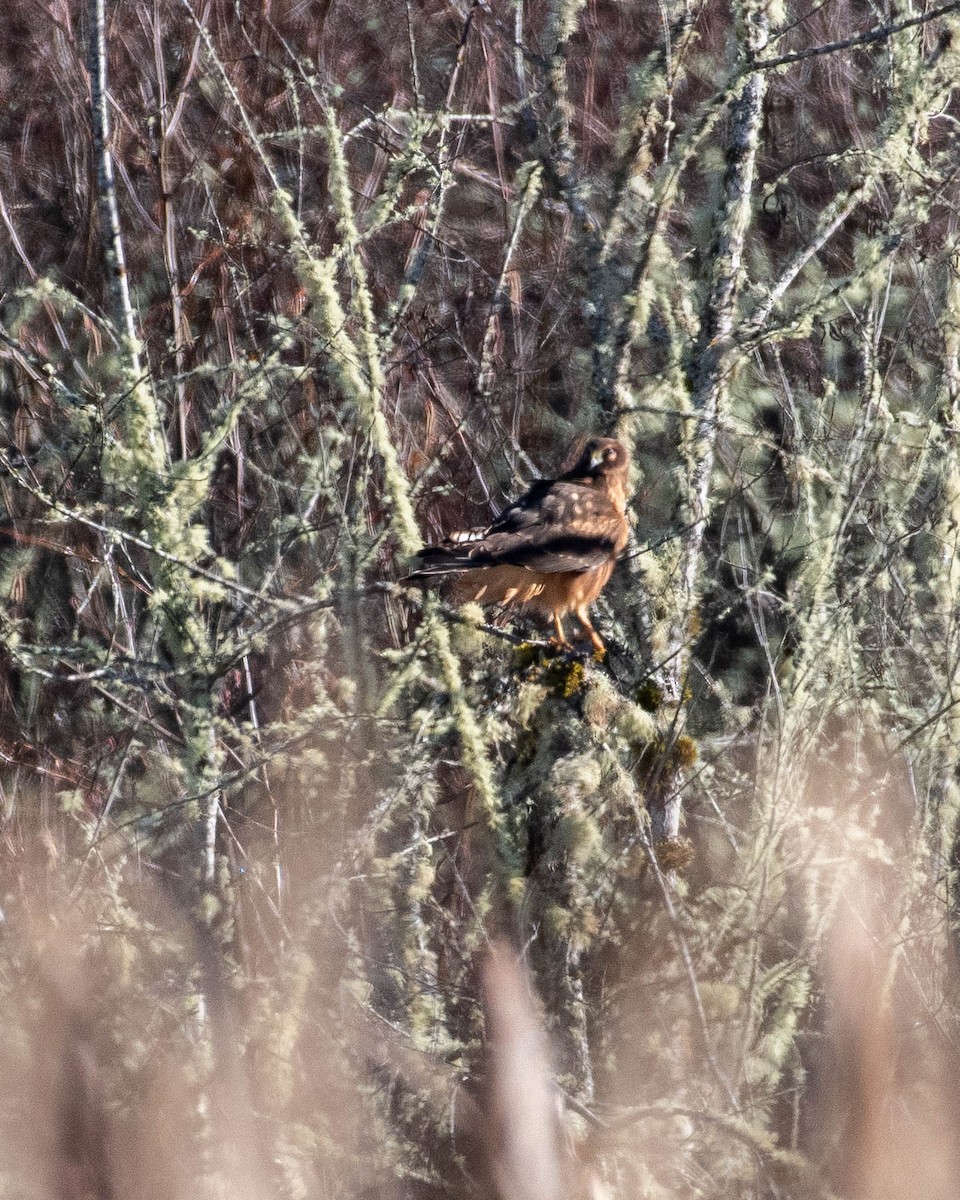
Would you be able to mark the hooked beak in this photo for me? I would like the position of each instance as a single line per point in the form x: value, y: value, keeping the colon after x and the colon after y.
x: 596, y: 459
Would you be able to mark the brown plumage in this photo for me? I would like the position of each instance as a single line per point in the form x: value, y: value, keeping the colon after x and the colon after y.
x: 552, y: 550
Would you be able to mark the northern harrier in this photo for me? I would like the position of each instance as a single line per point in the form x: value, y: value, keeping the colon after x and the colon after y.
x: 553, y: 549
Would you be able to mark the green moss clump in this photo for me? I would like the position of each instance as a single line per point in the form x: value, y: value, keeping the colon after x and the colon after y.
x: 565, y: 678
x: 649, y: 696
x: 527, y: 655
x: 663, y: 755
x: 561, y: 674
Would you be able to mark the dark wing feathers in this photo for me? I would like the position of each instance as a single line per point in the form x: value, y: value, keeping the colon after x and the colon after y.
x: 549, y: 502
x: 557, y: 526
x: 560, y: 551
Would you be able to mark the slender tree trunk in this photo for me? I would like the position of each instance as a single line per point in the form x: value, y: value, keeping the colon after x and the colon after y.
x: 708, y: 381
x: 106, y: 185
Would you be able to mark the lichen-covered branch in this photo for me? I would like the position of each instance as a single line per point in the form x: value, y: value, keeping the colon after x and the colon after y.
x: 710, y: 361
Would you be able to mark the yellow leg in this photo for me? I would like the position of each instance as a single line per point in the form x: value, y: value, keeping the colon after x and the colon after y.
x: 584, y: 619
x: 558, y: 625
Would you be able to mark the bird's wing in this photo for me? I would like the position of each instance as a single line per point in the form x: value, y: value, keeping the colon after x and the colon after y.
x: 557, y: 526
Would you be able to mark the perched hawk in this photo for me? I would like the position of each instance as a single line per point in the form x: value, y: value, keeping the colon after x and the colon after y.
x: 553, y: 549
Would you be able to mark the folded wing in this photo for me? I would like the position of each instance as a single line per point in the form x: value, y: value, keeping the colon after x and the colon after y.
x: 558, y: 526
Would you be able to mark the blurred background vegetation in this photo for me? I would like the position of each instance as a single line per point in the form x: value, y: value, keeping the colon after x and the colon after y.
x: 314, y: 886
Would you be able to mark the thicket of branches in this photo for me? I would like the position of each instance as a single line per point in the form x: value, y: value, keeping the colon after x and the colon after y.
x: 288, y: 289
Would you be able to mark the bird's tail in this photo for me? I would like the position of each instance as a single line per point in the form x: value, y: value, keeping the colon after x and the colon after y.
x: 451, y: 558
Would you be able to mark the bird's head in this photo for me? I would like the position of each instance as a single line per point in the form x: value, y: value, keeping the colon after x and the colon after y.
x: 602, y: 456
